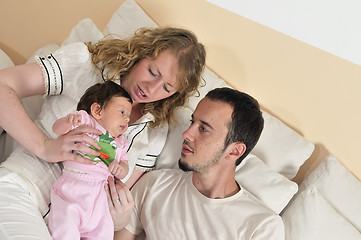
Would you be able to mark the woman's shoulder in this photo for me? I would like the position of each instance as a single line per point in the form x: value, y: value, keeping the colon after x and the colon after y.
x: 73, y: 52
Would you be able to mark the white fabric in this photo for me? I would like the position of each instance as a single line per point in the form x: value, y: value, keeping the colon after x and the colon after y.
x: 5, y: 61
x: 20, y: 219
x: 84, y: 31
x: 44, y: 51
x: 145, y: 144
x: 53, y: 75
x: 168, y: 206
x: 272, y: 188
x: 5, y: 149
x: 281, y: 148
x: 311, y: 217
x: 168, y: 159
x: 126, y: 20
x: 339, y: 187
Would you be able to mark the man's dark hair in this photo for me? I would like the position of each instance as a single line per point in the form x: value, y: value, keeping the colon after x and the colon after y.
x: 246, y: 123
x: 101, y: 93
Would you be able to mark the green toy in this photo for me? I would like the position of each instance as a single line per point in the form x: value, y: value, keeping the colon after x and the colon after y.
x: 107, y: 151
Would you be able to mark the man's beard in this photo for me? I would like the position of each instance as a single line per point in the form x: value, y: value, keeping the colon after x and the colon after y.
x: 198, y: 168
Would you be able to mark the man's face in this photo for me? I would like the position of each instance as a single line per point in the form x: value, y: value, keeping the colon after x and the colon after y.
x: 204, y: 140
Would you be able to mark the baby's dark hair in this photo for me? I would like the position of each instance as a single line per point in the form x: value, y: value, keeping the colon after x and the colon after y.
x: 101, y: 93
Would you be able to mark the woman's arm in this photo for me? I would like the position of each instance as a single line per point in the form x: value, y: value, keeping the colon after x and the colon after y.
x: 121, y: 204
x: 24, y: 81
x: 16, y: 83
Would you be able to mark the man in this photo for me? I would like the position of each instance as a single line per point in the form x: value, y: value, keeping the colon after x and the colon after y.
x: 204, y: 201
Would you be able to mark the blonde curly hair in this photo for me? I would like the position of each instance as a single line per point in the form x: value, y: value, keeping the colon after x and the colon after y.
x: 116, y: 58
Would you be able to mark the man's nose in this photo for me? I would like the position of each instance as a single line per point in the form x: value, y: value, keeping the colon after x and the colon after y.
x: 188, y: 134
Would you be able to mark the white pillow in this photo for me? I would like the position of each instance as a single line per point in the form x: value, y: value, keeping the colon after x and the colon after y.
x: 281, y: 148
x: 5, y: 61
x: 272, y: 188
x: 311, y: 217
x: 127, y: 19
x: 84, y: 31
x: 212, y: 81
x: 339, y: 187
x: 171, y: 152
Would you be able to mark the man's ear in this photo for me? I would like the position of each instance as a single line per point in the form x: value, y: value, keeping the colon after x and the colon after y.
x: 237, y: 149
x: 95, y: 110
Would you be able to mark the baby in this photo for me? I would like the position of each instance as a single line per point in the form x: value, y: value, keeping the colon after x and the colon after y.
x: 79, y: 206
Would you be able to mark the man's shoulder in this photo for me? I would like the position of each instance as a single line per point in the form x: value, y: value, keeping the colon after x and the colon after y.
x: 164, y: 175
x: 254, y: 204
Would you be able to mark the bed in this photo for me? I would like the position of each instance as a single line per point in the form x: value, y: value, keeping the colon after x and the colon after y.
x: 326, y: 205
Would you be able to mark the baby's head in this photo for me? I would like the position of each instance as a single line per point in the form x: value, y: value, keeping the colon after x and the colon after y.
x: 109, y: 104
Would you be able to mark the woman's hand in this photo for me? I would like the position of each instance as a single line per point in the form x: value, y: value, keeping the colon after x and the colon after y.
x: 60, y: 149
x: 121, y: 203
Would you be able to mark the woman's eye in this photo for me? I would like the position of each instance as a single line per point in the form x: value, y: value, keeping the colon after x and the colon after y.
x: 166, y: 89
x: 151, y: 72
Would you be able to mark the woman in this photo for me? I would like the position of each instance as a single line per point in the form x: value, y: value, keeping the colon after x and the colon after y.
x: 159, y: 68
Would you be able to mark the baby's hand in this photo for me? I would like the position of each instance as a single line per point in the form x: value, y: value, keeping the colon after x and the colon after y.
x: 74, y: 119
x: 119, y: 170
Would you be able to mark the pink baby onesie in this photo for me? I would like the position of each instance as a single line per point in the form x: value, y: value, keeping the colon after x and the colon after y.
x: 79, y: 205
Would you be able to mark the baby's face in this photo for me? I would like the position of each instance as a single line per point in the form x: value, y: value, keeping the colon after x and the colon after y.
x: 114, y: 117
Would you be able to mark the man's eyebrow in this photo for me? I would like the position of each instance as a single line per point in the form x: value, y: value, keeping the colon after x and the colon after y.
x: 204, y: 122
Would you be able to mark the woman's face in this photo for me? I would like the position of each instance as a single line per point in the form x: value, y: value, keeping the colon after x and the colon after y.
x: 152, y: 80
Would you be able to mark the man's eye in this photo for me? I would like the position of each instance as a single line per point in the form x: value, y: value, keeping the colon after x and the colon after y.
x: 203, y: 129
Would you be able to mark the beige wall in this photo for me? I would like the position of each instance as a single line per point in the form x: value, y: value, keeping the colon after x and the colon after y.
x: 312, y: 91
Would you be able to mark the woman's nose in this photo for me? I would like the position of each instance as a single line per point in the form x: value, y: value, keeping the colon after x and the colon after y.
x: 154, y: 86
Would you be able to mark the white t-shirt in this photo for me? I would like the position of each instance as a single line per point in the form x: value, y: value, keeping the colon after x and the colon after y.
x: 168, y: 206
x: 69, y: 71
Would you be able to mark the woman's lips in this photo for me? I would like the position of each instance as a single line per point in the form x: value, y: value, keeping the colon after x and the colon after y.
x: 140, y: 94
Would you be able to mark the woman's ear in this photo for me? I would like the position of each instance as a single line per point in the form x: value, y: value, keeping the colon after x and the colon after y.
x: 95, y: 110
